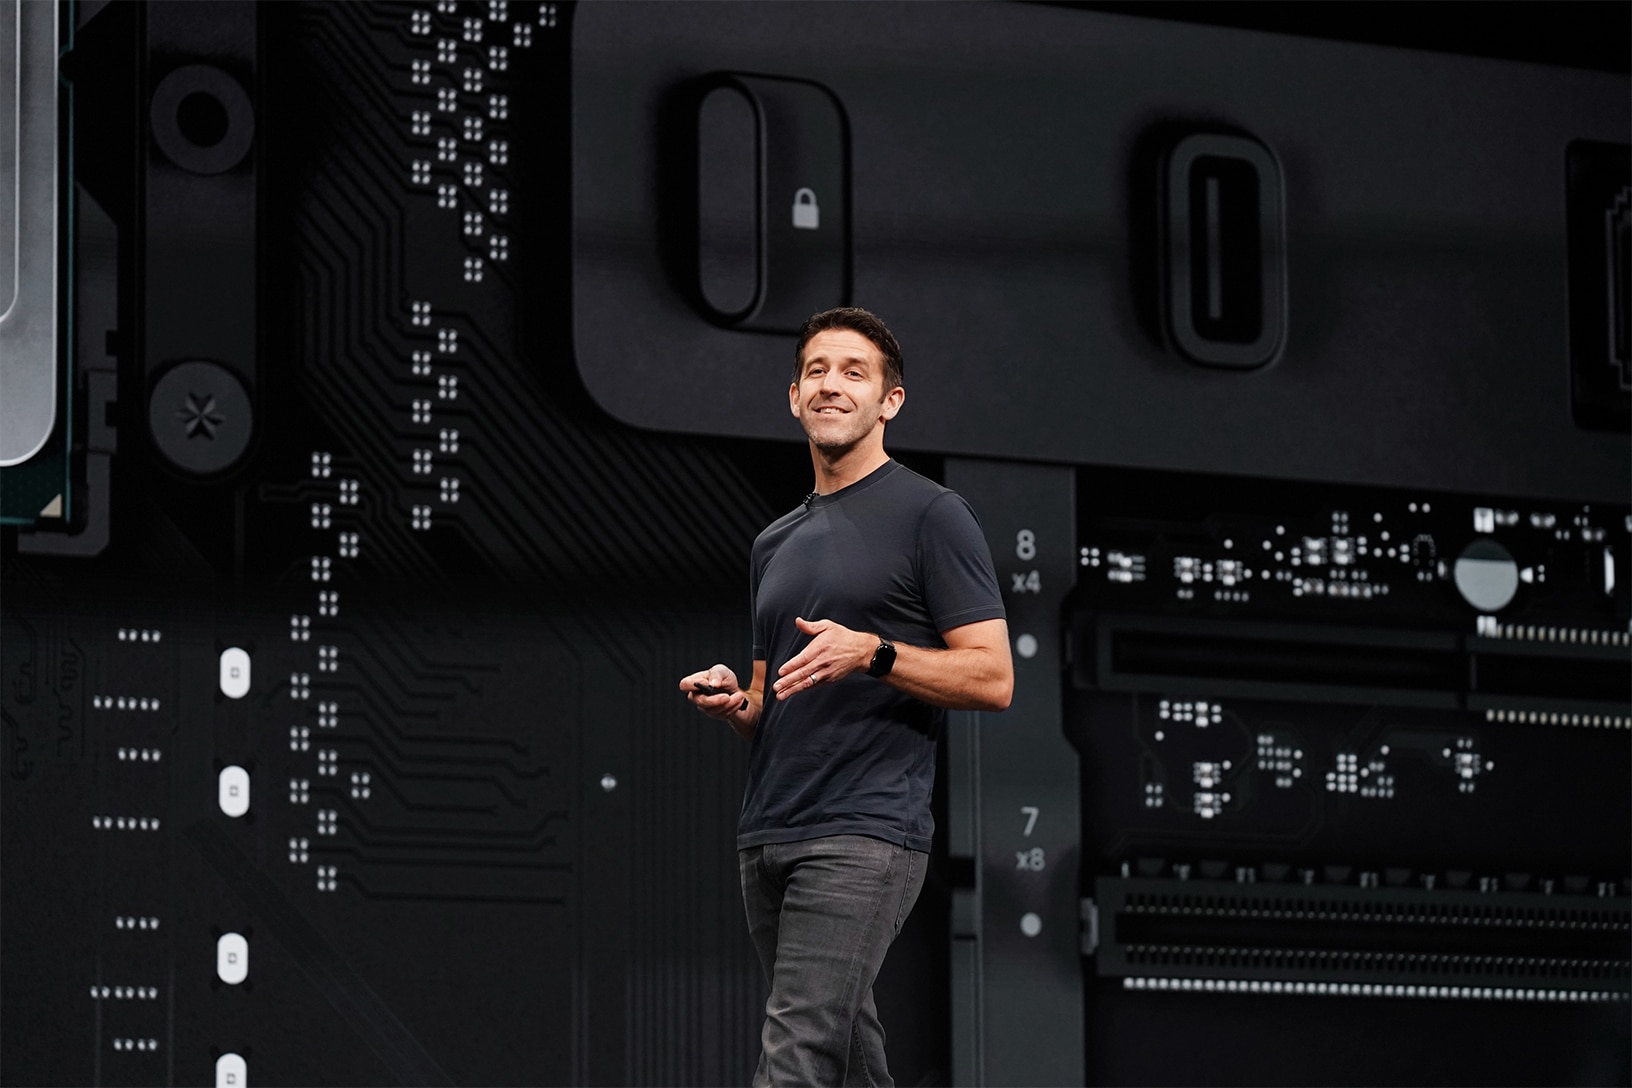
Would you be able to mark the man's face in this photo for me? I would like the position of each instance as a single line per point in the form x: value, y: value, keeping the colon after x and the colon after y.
x: 840, y: 397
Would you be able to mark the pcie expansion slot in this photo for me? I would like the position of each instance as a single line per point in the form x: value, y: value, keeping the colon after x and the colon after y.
x: 1221, y: 936
x: 1378, y: 666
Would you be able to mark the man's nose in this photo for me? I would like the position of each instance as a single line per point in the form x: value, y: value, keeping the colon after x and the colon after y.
x: 830, y: 382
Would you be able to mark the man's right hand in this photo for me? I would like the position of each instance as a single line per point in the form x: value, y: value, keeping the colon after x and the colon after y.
x: 727, y: 701
x: 736, y: 706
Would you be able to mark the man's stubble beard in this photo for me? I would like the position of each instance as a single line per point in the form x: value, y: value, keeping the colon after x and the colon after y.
x: 832, y: 446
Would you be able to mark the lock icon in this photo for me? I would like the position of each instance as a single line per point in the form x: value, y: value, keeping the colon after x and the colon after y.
x: 806, y: 214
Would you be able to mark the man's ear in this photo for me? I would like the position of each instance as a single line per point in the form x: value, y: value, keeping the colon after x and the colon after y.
x: 893, y: 401
x: 793, y: 400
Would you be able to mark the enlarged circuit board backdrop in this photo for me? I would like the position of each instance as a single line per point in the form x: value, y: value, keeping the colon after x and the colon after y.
x: 390, y: 394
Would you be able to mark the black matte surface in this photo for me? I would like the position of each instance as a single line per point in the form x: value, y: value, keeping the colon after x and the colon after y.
x: 999, y: 188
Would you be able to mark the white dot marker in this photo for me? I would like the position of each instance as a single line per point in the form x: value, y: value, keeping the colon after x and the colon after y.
x: 232, y: 958
x: 234, y: 673
x: 233, y: 791
x: 1030, y: 924
x: 1026, y: 646
x: 231, y: 1072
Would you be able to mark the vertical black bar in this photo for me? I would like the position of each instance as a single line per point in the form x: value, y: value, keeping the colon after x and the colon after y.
x: 1215, y: 257
x: 1027, y: 977
x: 962, y: 790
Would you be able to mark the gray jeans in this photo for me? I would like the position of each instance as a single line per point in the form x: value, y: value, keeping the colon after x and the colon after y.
x: 822, y: 914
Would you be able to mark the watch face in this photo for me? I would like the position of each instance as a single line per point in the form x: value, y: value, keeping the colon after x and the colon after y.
x: 883, y: 659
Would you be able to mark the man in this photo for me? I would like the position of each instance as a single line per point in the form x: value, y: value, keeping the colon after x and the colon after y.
x: 877, y: 603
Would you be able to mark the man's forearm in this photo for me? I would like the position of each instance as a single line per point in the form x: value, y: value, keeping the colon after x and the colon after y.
x: 973, y: 672
x: 971, y: 678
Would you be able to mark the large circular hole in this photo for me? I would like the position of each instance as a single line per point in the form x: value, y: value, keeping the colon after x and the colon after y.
x: 202, y: 119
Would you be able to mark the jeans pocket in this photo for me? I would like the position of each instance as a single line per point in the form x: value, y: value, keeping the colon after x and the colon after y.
x: 911, y: 874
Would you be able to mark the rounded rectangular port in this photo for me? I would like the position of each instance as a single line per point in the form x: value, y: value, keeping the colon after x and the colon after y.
x: 1226, y: 246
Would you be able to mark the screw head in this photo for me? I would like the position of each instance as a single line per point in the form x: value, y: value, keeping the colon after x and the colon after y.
x: 200, y: 416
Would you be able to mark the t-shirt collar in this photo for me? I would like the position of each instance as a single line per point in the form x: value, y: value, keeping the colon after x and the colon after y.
x: 862, y: 484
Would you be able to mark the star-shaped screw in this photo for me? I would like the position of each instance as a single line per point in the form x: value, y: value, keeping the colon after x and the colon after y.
x: 200, y: 416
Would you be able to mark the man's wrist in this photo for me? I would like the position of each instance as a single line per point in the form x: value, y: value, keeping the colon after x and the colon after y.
x: 882, y: 659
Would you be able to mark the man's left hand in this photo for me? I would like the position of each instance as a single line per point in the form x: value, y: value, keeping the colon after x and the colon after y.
x: 834, y: 652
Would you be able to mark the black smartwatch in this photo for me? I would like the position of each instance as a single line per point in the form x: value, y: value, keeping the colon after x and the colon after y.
x: 883, y: 658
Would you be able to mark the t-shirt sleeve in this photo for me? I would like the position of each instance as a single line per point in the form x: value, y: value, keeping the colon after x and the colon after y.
x: 955, y: 565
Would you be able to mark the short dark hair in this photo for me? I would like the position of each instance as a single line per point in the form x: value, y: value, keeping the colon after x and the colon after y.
x: 857, y: 320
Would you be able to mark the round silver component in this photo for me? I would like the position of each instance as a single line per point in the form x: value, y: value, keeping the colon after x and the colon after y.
x: 1486, y: 575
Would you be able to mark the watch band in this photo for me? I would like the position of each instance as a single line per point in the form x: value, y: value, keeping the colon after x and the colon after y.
x: 883, y: 658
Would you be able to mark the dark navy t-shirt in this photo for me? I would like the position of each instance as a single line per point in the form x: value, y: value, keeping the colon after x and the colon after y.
x: 893, y: 554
